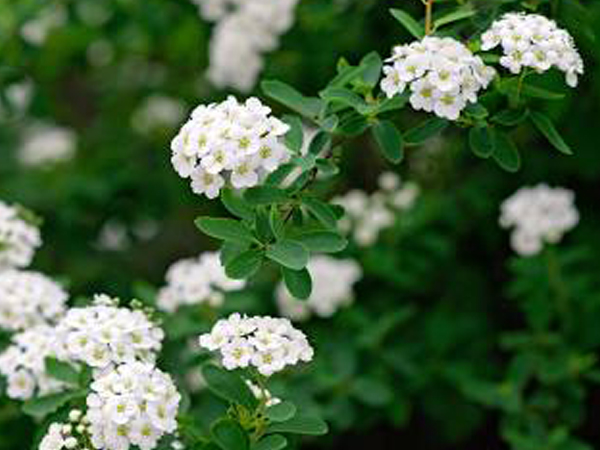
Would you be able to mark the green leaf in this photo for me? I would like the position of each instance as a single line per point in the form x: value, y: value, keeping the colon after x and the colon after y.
x: 306, y: 162
x: 225, y: 229
x: 389, y: 140
x: 235, y: 204
x: 546, y: 127
x: 506, y: 153
x: 289, y: 253
x: 295, y: 136
x: 327, y: 167
x: 411, y: 25
x: 271, y: 442
x: 265, y: 195
x: 290, y: 97
x: 229, y: 435
x: 281, y: 412
x: 322, y: 241
x: 300, y: 424
x: 321, y: 210
x: 345, y: 97
x: 476, y: 110
x: 330, y: 123
x: 245, y: 264
x: 61, y: 371
x: 454, y: 16
x: 230, y: 250
x: 425, y: 130
x: 42, y: 406
x: 319, y: 142
x: 346, y: 75
x: 276, y: 222
x: 391, y: 104
x: 282, y: 172
x: 481, y: 141
x: 371, y: 65
x: 297, y: 282
x: 510, y: 117
x: 229, y: 386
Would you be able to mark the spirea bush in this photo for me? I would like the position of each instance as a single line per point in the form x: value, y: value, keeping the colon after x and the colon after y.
x: 306, y: 240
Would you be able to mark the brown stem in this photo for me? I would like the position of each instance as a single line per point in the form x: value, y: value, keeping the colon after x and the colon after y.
x: 428, y: 16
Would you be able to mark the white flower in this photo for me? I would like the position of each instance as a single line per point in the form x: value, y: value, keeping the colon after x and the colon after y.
x: 368, y: 215
x: 28, y: 299
x: 539, y: 215
x: 441, y: 73
x: 104, y: 335
x: 261, y: 394
x: 53, y: 440
x: 23, y: 363
x: 138, y: 409
x: 245, y: 30
x: 196, y: 281
x: 18, y: 238
x: 269, y: 344
x: 534, y: 41
x: 230, y: 143
x: 157, y: 112
x: 45, y: 145
x: 332, y: 281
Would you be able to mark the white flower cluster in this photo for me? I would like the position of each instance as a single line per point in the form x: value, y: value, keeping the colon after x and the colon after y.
x: 18, y: 238
x: 539, y: 215
x: 332, y: 281
x: 134, y: 404
x: 45, y: 145
x: 531, y: 40
x: 196, y: 281
x: 263, y: 394
x: 157, y: 112
x: 442, y: 74
x: 23, y: 364
x: 28, y: 299
x: 267, y: 343
x: 45, y: 20
x: 104, y: 335
x: 367, y: 215
x: 72, y: 435
x: 245, y: 30
x: 229, y: 141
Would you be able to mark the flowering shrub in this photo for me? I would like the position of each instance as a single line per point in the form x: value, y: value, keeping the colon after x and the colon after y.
x: 354, y: 193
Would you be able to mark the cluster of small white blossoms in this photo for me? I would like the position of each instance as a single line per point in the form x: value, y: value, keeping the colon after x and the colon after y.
x: 18, y: 238
x: 332, y: 281
x: 539, y: 215
x: 229, y: 141
x: 367, y: 215
x: 104, y: 335
x: 263, y: 394
x: 267, y: 343
x: 28, y: 299
x: 534, y: 41
x: 442, y: 74
x: 245, y: 30
x: 23, y: 364
x: 157, y: 112
x: 69, y: 436
x: 46, y: 145
x: 134, y: 404
x: 196, y: 281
